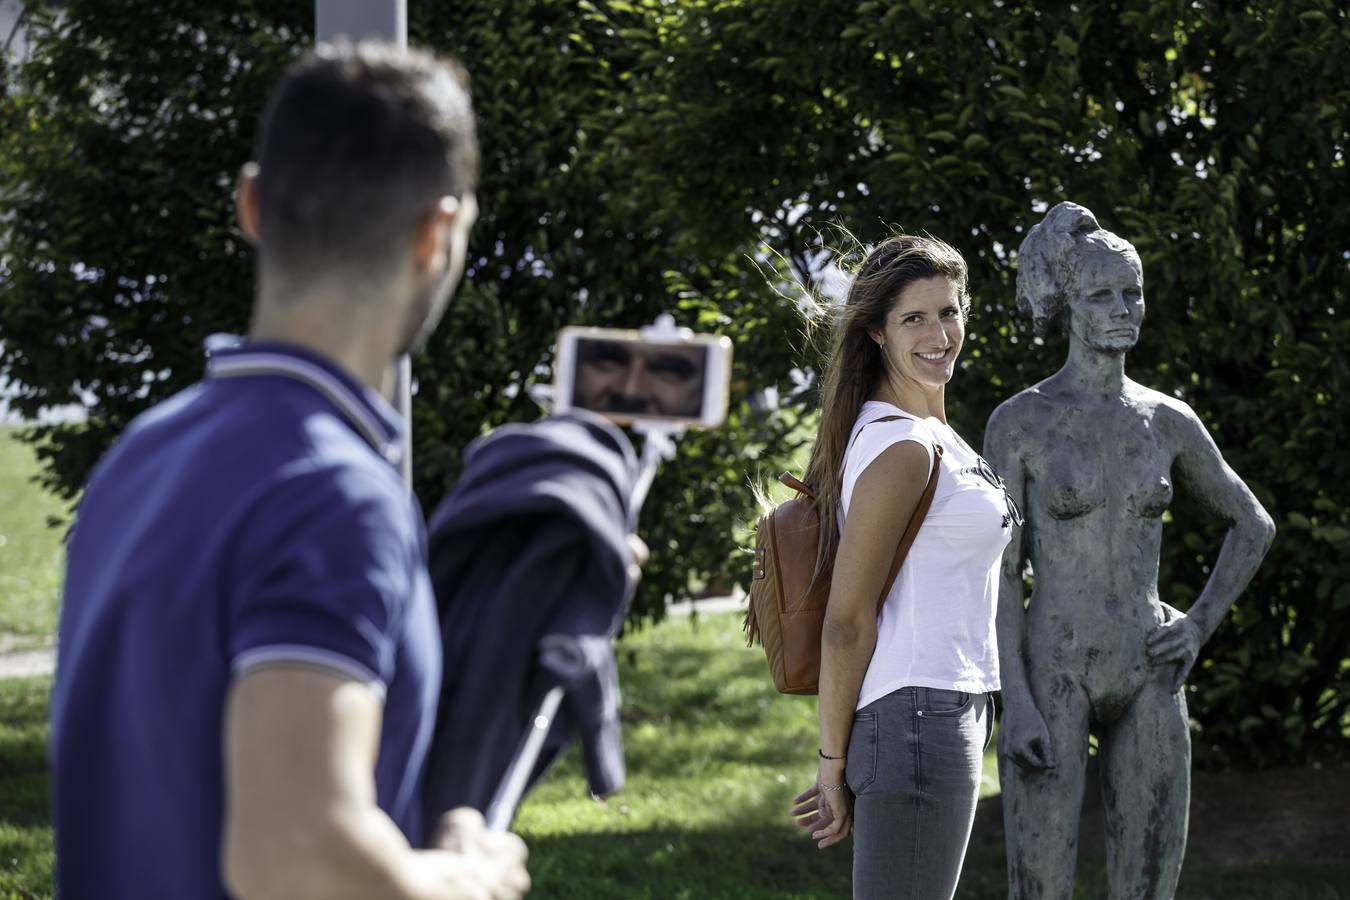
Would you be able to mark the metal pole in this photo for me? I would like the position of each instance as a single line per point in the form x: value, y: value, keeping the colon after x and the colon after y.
x: 381, y: 20
x: 512, y: 786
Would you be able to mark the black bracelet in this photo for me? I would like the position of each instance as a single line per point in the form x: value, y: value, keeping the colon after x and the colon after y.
x: 821, y: 754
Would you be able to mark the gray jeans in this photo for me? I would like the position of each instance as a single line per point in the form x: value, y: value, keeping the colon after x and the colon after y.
x: 914, y: 762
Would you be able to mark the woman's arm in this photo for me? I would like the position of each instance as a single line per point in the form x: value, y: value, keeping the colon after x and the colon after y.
x: 884, y: 499
x: 1202, y: 469
x: 1023, y: 733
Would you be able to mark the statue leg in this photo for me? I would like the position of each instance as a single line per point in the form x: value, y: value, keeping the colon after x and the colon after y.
x: 1146, y: 791
x: 1041, y: 808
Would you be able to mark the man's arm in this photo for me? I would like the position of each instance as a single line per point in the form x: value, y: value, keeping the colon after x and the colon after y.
x: 301, y: 819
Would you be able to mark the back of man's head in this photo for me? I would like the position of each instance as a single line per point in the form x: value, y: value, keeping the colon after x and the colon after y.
x: 357, y: 145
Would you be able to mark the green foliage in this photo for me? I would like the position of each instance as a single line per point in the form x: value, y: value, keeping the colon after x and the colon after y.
x: 643, y: 155
x: 122, y: 138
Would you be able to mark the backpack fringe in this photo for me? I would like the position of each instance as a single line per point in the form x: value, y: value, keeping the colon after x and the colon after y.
x: 750, y: 626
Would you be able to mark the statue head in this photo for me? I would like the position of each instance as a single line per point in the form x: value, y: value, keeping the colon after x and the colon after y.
x: 1072, y: 274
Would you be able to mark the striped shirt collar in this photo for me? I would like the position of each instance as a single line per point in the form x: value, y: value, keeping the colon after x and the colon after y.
x: 369, y: 414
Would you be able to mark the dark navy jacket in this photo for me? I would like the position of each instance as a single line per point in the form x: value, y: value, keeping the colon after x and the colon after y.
x: 529, y: 560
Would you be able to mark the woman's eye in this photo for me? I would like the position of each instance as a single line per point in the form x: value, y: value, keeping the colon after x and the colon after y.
x: 915, y: 318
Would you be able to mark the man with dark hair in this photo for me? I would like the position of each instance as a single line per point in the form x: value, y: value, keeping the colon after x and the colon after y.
x: 249, y: 655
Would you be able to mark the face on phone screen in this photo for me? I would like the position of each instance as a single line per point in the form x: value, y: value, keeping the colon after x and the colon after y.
x: 640, y: 379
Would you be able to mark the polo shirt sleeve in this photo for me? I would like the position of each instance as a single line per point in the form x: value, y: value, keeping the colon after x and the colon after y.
x: 325, y: 566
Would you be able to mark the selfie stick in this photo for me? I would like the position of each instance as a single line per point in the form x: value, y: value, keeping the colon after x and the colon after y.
x: 380, y: 20
x: 512, y: 787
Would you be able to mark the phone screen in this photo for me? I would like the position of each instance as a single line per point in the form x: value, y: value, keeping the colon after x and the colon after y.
x: 640, y: 379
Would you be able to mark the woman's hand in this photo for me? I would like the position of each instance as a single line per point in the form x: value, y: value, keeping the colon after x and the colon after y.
x: 826, y: 807
x: 1176, y: 641
x: 1023, y: 737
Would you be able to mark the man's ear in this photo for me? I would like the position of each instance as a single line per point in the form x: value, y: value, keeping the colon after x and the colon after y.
x: 246, y: 203
x: 431, y: 243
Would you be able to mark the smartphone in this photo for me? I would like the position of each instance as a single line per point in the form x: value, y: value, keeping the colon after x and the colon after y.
x: 628, y: 377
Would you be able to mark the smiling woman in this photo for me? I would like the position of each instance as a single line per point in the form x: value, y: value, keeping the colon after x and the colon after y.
x: 904, y: 691
x: 922, y: 334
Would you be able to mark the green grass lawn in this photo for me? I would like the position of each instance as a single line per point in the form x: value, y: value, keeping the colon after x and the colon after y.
x: 30, y: 550
x: 714, y: 759
x: 714, y: 756
x: 25, y: 818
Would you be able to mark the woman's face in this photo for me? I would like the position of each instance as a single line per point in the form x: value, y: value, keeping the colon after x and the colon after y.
x: 1106, y: 306
x: 923, y: 332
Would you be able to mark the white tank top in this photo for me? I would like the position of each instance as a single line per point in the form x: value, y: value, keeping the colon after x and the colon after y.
x: 936, y: 628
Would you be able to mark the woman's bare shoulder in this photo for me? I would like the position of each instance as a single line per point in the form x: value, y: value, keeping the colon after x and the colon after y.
x: 892, y: 476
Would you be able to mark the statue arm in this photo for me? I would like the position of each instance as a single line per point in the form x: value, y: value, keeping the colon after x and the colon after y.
x: 1023, y: 736
x: 1004, y: 456
x: 1217, y: 487
x: 1201, y: 468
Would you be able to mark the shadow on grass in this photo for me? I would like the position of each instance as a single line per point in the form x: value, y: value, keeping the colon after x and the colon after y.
x: 670, y: 864
x: 24, y: 792
x: 749, y: 863
x: 25, y: 797
x: 757, y: 863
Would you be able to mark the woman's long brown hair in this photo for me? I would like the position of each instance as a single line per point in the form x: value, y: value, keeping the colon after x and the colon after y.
x: 853, y: 368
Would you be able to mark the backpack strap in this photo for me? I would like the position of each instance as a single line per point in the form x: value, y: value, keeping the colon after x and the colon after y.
x: 864, y: 425
x: 797, y: 484
x: 802, y: 487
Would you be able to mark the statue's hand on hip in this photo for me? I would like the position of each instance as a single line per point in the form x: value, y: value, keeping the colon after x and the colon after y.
x: 1023, y: 737
x: 1177, y: 642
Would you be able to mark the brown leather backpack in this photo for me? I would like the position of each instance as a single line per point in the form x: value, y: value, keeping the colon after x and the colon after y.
x: 785, y: 614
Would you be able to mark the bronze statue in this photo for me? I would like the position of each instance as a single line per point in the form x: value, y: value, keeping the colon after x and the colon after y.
x: 1091, y: 457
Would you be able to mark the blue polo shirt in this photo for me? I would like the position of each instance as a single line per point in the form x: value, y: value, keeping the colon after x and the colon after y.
x: 255, y: 519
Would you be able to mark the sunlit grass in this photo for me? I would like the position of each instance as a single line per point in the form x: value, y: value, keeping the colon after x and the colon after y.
x: 714, y: 757
x: 30, y: 549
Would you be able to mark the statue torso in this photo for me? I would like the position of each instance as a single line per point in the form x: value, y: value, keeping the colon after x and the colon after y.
x: 1097, y: 479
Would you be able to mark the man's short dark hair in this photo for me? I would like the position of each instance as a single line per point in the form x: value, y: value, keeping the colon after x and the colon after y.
x: 357, y: 143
